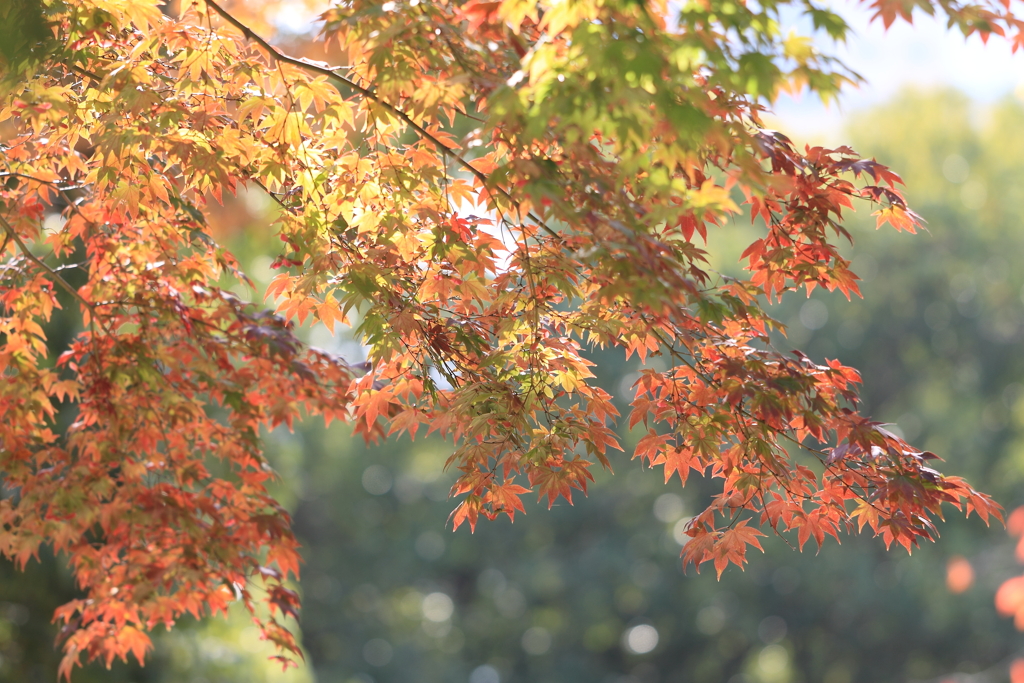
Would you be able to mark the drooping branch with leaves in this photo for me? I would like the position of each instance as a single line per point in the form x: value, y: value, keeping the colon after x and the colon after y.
x: 484, y: 190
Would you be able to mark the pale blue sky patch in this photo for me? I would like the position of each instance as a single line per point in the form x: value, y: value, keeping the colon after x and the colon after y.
x: 925, y: 55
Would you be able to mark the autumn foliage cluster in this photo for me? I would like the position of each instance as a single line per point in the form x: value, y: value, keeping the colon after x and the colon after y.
x: 483, y: 190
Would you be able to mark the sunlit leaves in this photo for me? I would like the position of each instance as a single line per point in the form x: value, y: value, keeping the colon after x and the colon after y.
x: 483, y: 190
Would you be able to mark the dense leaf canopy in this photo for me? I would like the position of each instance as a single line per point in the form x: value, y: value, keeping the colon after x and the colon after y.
x: 484, y: 190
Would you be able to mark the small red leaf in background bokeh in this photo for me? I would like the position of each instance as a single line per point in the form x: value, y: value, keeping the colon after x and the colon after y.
x: 959, y: 574
x: 1017, y: 671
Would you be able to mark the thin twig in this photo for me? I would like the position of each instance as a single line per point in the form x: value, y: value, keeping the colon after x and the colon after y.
x: 61, y: 282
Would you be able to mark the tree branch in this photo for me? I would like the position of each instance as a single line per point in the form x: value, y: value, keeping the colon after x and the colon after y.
x: 332, y: 73
x: 61, y: 282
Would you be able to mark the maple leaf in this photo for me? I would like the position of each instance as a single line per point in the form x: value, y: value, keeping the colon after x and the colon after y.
x: 731, y: 546
x: 897, y: 217
x: 678, y: 460
x: 552, y: 483
x: 506, y: 498
x: 813, y: 525
x: 699, y: 548
x: 467, y: 511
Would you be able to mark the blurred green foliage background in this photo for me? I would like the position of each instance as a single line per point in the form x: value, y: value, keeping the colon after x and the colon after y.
x: 594, y: 593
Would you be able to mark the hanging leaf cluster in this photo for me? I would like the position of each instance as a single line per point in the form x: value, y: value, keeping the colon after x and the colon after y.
x: 484, y: 191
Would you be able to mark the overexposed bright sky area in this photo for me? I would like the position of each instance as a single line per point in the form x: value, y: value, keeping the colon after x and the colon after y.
x: 924, y: 55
